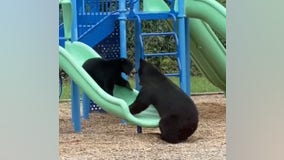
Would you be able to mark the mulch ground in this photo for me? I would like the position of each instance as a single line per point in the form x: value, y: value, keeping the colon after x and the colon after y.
x: 104, y: 138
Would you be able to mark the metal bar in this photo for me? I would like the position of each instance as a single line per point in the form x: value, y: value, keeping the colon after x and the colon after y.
x: 75, y: 107
x: 122, y: 28
x: 184, y: 77
x: 74, y: 88
x: 159, y: 34
x: 172, y: 74
x: 138, y: 49
x: 187, y: 55
x: 86, y: 106
x: 160, y: 54
x: 154, y: 16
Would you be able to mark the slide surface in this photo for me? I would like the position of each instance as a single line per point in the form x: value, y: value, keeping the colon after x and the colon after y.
x: 207, y: 51
x: 71, y: 59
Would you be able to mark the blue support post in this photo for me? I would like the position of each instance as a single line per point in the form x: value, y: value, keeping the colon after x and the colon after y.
x: 187, y: 53
x: 182, y: 48
x: 85, y: 98
x: 75, y: 95
x: 122, y: 32
x: 122, y: 27
x: 136, y: 5
x: 138, y: 49
x: 86, y: 106
x: 75, y: 107
x: 139, y: 129
x: 138, y: 55
x: 74, y: 34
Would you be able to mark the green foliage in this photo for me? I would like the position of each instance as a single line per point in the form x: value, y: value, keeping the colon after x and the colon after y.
x: 223, y: 2
x: 199, y: 84
x: 66, y: 90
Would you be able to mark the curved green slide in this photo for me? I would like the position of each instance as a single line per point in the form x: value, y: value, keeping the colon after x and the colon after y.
x: 207, y: 51
x: 71, y: 59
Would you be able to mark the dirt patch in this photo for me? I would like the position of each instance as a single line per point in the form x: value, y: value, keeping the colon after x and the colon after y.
x: 104, y: 138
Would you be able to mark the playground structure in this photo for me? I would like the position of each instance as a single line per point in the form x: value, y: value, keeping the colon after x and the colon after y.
x: 102, y: 25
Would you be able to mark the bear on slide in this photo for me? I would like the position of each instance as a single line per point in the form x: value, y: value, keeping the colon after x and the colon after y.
x: 107, y: 73
x: 179, y: 115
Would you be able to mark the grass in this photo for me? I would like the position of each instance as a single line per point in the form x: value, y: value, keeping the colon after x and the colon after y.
x: 66, y: 90
x: 198, y: 85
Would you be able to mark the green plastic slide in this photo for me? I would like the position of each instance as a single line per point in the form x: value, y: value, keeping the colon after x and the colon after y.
x: 206, y: 50
x: 71, y: 59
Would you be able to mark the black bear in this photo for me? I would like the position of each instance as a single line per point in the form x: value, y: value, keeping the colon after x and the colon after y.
x: 179, y: 115
x: 107, y: 73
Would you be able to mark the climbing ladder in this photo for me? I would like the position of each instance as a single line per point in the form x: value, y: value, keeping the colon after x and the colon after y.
x: 138, y: 17
x: 180, y: 53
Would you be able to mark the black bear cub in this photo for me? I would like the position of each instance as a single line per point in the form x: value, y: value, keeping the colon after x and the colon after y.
x: 179, y: 115
x: 107, y: 73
